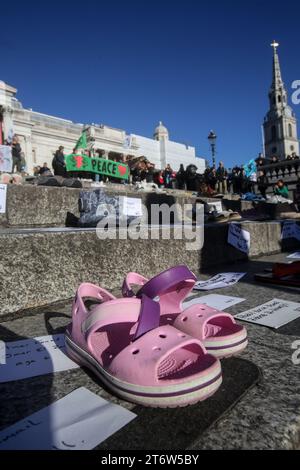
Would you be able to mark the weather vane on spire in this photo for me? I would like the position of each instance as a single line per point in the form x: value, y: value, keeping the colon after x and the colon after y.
x: 275, y: 45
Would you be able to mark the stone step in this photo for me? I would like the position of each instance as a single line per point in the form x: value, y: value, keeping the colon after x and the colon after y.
x: 42, y: 206
x: 41, y: 266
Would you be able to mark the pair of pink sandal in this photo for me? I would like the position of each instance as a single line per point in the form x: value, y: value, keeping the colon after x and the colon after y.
x: 145, y: 347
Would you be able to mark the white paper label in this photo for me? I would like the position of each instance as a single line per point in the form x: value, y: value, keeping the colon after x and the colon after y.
x: 219, y: 302
x: 273, y: 314
x: 132, y: 207
x: 79, y: 421
x: 5, y: 159
x: 33, y: 357
x: 239, y: 238
x: 295, y: 255
x: 219, y: 281
x: 3, y: 195
x: 217, y: 205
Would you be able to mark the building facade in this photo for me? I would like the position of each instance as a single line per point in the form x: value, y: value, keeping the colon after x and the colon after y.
x: 280, y: 124
x: 40, y: 136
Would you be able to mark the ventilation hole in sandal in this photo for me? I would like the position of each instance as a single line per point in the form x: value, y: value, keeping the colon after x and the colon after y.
x: 181, y: 336
x: 162, y: 336
x: 200, y: 316
x: 156, y: 349
x: 136, y: 351
x: 184, y: 319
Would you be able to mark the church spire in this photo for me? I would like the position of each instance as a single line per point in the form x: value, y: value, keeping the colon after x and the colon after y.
x: 278, y: 94
x: 280, y: 125
x: 277, y: 79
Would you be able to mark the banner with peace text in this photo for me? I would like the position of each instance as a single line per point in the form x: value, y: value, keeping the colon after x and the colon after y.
x: 100, y: 166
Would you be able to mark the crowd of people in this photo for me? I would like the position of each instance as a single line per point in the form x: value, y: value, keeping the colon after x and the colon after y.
x: 143, y: 170
x: 236, y: 180
x: 215, y: 180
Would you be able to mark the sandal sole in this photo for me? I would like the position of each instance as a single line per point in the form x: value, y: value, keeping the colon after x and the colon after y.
x: 150, y: 398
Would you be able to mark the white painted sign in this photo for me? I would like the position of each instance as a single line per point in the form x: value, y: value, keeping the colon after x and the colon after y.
x: 219, y: 281
x: 219, y: 302
x: 273, y: 314
x: 294, y: 255
x: 33, y: 357
x: 3, y: 196
x: 290, y: 229
x: 131, y: 207
x: 239, y: 238
x: 5, y: 159
x: 79, y: 421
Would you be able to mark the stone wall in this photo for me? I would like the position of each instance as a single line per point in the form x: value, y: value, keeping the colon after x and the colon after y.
x: 38, y: 268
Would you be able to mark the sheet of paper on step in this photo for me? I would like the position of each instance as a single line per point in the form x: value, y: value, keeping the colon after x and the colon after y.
x: 294, y: 255
x: 239, y: 238
x: 131, y: 206
x: 79, y: 421
x: 219, y: 281
x: 290, y: 229
x: 33, y: 357
x: 3, y: 196
x: 216, y: 206
x: 274, y: 314
x: 219, y: 302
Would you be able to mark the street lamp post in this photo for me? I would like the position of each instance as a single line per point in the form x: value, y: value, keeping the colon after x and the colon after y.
x: 212, y: 140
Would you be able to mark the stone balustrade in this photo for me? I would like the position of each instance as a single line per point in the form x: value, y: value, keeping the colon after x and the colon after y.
x: 288, y: 170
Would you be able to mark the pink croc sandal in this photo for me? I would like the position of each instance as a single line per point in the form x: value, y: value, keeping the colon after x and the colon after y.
x: 121, y: 341
x: 218, y: 331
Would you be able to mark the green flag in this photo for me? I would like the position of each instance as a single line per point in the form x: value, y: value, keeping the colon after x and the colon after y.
x: 81, y: 143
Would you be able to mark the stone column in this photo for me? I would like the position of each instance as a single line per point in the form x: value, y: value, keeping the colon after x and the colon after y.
x: 28, y: 154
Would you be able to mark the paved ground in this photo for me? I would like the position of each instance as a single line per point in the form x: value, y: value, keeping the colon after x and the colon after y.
x: 250, y: 411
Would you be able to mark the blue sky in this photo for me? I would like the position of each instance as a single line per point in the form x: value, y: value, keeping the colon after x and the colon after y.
x: 195, y: 65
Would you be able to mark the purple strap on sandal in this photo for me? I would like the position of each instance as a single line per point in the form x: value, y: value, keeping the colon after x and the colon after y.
x: 166, y: 280
x: 149, y: 317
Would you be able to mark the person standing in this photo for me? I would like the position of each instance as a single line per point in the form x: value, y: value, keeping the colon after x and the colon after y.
x: 149, y: 172
x: 168, y: 176
x: 229, y: 180
x: 222, y: 179
x: 263, y: 183
x: 16, y: 155
x: 58, y: 163
x: 180, y: 177
x: 160, y: 179
x: 212, y: 180
x: 252, y: 182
